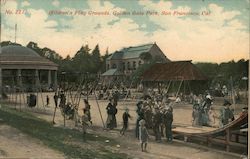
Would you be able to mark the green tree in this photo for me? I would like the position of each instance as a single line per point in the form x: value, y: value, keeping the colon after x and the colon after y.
x: 81, y: 60
x: 96, y: 59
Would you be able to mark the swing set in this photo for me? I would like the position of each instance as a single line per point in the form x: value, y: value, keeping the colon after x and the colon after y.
x: 20, y: 94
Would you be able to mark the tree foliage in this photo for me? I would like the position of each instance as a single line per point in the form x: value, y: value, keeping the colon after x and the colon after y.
x: 222, y: 73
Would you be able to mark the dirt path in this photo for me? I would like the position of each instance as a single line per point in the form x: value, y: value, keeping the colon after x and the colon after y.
x: 129, y: 144
x: 176, y: 150
x: 15, y: 144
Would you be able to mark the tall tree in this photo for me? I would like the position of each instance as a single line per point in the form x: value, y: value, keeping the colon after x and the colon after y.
x: 96, y: 59
x: 81, y: 60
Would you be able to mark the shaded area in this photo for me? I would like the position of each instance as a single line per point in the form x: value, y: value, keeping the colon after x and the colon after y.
x: 176, y: 71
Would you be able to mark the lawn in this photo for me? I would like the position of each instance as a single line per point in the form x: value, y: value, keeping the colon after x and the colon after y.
x: 58, y: 138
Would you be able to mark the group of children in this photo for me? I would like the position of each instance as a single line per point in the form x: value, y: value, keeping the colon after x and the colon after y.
x: 143, y: 132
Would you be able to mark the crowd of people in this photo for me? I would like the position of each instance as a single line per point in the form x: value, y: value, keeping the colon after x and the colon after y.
x: 204, y: 113
x: 155, y: 112
x: 158, y: 116
x: 152, y: 113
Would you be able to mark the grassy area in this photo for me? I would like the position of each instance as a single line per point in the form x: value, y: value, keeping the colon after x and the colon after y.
x: 57, y: 138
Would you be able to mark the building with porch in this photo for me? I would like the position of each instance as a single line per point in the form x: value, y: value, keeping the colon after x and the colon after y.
x: 23, y: 68
x: 127, y: 60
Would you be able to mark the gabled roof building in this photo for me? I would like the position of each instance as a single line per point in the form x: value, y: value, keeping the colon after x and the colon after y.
x: 127, y: 60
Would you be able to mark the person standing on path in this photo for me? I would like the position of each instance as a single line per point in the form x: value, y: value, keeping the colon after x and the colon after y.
x: 143, y: 135
x: 56, y: 99
x: 168, y: 125
x: 111, y: 111
x: 87, y: 110
x: 226, y: 113
x: 47, y: 100
x: 56, y: 104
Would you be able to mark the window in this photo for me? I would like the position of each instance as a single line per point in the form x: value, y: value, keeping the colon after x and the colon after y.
x: 134, y: 65
x: 139, y: 63
x: 114, y: 65
x: 107, y: 66
x: 123, y: 66
x: 128, y: 65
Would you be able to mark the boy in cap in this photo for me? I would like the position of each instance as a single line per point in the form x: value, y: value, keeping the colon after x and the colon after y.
x: 125, y: 118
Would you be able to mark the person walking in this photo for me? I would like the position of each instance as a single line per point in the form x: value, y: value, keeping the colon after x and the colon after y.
x: 125, y: 118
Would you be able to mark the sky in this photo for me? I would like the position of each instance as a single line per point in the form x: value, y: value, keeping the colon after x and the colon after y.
x: 197, y: 30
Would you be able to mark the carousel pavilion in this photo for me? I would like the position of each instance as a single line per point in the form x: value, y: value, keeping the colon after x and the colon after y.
x: 24, y: 69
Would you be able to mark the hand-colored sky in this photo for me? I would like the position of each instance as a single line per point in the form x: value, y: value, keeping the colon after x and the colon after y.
x: 222, y: 35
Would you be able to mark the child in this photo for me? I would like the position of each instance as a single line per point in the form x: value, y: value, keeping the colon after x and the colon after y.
x: 47, y: 100
x: 87, y: 108
x: 85, y: 121
x: 125, y: 117
x: 143, y: 135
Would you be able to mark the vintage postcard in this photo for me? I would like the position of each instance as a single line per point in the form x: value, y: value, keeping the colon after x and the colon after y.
x: 148, y: 79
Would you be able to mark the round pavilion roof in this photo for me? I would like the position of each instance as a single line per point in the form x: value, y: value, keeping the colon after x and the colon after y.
x: 15, y: 50
x: 19, y: 57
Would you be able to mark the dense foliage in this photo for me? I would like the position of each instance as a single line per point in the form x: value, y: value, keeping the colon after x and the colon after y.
x: 226, y: 73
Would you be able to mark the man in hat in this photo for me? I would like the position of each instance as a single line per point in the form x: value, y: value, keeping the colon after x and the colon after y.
x: 168, y: 120
x: 157, y: 120
x: 226, y: 113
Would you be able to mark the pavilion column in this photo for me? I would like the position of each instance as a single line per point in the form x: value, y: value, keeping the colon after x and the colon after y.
x: 55, y: 80
x: 49, y: 78
x: 37, y: 79
x: 19, y: 78
x: 1, y: 83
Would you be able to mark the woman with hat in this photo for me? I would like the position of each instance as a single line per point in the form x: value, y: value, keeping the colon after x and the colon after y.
x: 111, y: 111
x: 226, y: 113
